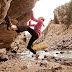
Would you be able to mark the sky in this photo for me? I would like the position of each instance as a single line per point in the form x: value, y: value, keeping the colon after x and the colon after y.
x: 45, y: 9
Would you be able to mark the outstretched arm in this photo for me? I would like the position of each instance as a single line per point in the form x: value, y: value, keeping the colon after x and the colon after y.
x: 32, y: 17
x: 31, y: 24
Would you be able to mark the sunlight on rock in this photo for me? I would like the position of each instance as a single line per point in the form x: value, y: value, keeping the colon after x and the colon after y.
x: 53, y: 48
x: 40, y: 46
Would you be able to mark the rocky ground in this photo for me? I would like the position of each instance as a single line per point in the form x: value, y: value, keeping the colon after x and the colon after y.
x: 48, y: 61
x: 54, y: 44
x: 18, y: 65
x: 55, y: 53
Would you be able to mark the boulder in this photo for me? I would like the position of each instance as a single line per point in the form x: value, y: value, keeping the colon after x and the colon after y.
x: 18, y: 12
x: 4, y: 6
x: 63, y: 14
x: 54, y: 30
x: 62, y: 41
x: 3, y: 54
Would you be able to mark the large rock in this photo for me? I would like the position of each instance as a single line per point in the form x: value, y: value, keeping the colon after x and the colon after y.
x: 20, y: 43
x: 57, y: 37
x: 6, y: 37
x: 53, y: 31
x: 18, y: 12
x: 62, y: 41
x: 63, y: 14
x: 3, y: 53
x: 4, y: 6
x: 58, y: 33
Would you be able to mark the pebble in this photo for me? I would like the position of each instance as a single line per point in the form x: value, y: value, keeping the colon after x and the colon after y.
x: 45, y: 56
x: 57, y: 53
x: 61, y: 52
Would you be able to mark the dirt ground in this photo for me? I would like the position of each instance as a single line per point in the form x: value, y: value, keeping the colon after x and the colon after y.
x: 17, y: 65
x: 26, y: 63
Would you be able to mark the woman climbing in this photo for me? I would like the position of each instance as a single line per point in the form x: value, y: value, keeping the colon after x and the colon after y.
x: 38, y: 26
x: 22, y: 28
x: 35, y: 33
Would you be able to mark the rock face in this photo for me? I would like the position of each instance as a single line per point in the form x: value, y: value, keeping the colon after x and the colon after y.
x: 18, y: 12
x: 20, y: 65
x: 6, y: 37
x: 3, y: 54
x: 58, y: 33
x: 63, y: 14
x: 19, y: 43
x: 4, y: 6
x: 62, y: 41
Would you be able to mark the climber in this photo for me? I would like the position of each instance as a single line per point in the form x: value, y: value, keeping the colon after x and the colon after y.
x: 19, y: 29
x: 35, y: 33
x: 38, y: 26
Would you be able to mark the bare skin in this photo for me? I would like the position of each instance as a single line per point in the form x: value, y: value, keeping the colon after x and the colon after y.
x: 14, y: 27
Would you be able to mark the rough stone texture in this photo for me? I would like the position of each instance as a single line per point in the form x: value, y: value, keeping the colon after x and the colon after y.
x: 40, y: 46
x: 62, y: 41
x: 17, y: 65
x: 18, y: 12
x: 3, y: 53
x: 4, y: 6
x: 58, y: 38
x: 63, y: 14
x: 20, y: 43
x: 56, y: 35
x: 52, y: 31
x: 6, y: 37
x: 70, y: 27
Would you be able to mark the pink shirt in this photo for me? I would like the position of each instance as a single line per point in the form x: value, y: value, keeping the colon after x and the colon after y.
x: 38, y: 26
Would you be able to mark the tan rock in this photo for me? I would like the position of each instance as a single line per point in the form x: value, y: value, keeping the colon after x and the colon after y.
x: 65, y: 36
x: 3, y: 53
x: 4, y: 6
x: 63, y: 14
x: 70, y: 27
x: 18, y: 12
x: 40, y: 46
x: 54, y: 30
